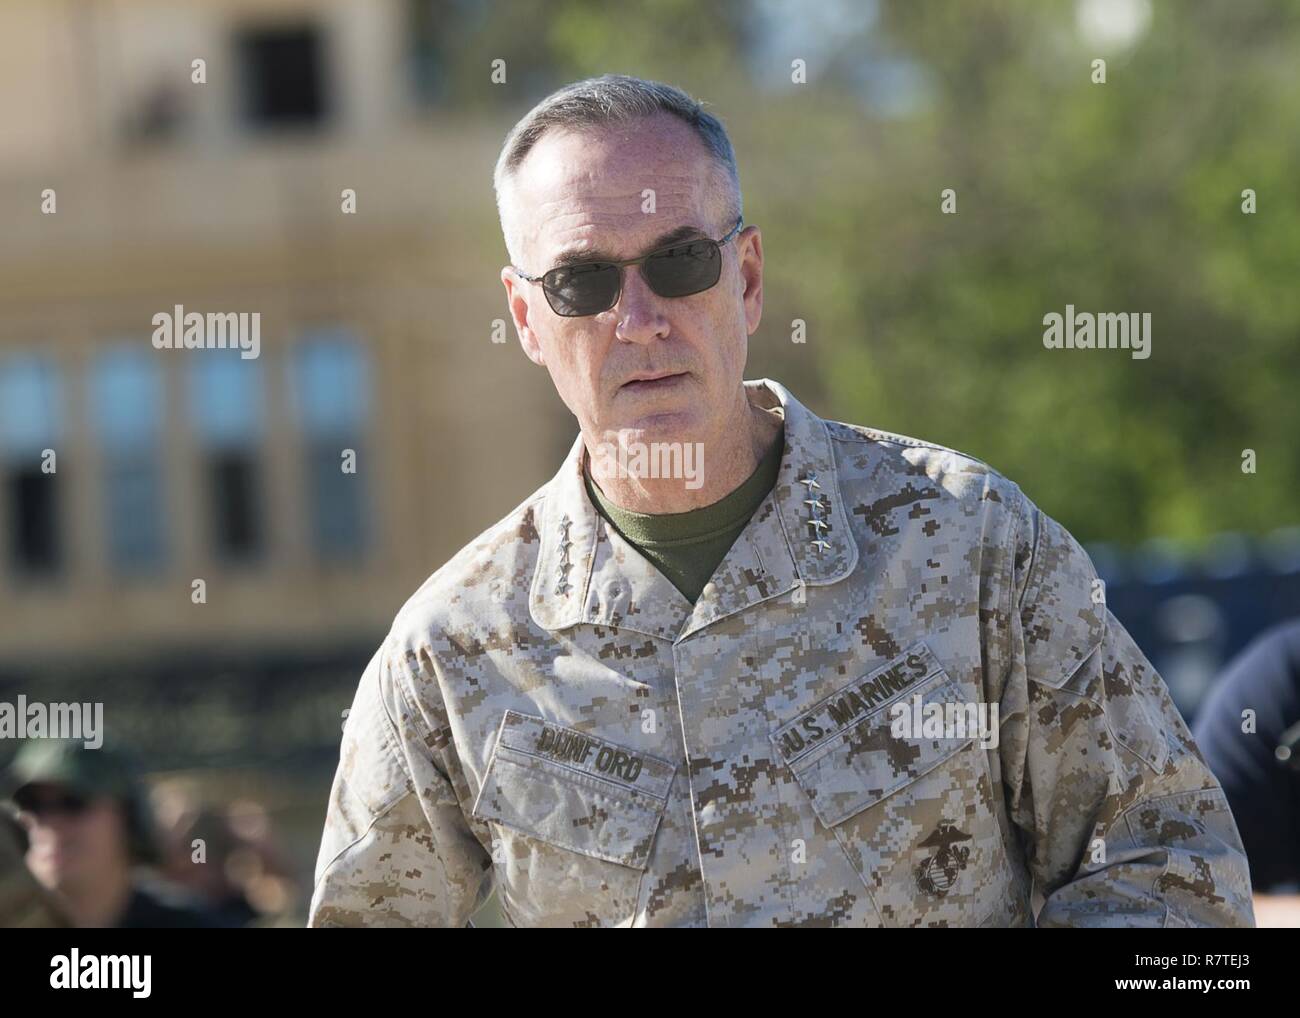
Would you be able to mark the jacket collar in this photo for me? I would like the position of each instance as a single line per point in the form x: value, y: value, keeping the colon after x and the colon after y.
x: 800, y: 534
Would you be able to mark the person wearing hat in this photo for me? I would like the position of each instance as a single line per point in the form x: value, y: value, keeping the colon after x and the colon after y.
x: 88, y: 828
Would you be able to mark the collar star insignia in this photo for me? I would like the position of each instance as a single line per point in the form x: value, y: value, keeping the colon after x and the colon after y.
x: 562, y: 578
x: 817, y: 505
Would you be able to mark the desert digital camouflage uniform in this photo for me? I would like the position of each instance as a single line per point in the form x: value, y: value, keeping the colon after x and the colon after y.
x: 550, y: 712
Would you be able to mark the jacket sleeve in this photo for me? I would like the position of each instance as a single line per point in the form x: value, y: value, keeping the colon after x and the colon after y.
x: 396, y: 850
x: 1123, y: 822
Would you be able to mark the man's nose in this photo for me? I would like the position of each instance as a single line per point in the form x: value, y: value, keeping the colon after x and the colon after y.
x: 639, y: 310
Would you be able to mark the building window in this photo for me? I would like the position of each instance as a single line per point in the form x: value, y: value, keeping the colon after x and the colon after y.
x: 331, y: 385
x: 226, y: 403
x: 282, y: 76
x: 31, y: 422
x: 431, y: 33
x: 127, y: 410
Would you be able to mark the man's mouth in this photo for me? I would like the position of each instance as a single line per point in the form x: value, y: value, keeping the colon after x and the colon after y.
x: 653, y: 383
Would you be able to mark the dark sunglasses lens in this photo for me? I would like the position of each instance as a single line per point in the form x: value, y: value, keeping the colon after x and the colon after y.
x: 577, y: 290
x: 682, y: 271
x: 44, y: 805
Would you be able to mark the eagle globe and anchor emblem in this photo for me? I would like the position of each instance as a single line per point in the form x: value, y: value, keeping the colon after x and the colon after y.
x: 938, y: 871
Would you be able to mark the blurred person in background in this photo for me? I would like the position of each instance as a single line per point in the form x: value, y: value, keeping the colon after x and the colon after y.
x: 1256, y: 757
x: 197, y: 857
x: 227, y: 858
x: 88, y: 828
x: 24, y: 904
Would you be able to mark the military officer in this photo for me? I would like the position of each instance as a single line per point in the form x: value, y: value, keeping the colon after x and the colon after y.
x: 827, y: 675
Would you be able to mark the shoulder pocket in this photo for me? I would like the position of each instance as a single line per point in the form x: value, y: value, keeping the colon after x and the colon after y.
x: 575, y: 790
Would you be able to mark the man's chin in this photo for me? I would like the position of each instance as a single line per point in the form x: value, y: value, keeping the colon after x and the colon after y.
x: 676, y: 425
x: 60, y: 870
x: 675, y: 420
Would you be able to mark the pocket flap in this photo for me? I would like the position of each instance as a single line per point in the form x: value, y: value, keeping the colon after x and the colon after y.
x: 575, y: 790
x: 843, y: 752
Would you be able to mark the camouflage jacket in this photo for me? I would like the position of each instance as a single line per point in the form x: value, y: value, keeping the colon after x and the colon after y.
x: 549, y: 710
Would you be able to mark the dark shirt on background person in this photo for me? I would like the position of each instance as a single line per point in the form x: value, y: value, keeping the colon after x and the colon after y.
x: 149, y: 910
x: 1262, y: 790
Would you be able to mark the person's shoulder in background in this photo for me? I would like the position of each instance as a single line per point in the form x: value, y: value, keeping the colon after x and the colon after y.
x: 157, y: 907
x: 1238, y: 729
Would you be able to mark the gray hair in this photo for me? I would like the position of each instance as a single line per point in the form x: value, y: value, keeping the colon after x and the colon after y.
x: 613, y: 99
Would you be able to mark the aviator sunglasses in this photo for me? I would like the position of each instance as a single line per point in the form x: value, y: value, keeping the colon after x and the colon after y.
x: 679, y: 270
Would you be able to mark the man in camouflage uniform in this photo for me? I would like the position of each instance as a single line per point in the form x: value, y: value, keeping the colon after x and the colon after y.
x: 616, y: 736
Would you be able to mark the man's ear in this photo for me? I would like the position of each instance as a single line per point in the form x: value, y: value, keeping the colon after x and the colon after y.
x: 517, y: 301
x: 751, y: 274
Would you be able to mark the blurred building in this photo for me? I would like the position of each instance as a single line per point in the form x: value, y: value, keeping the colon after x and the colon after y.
x: 226, y: 196
x: 127, y: 472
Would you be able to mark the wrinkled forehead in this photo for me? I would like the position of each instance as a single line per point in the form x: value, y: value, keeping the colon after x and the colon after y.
x: 612, y: 191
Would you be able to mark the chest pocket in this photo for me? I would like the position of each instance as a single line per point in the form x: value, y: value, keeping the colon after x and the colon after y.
x: 576, y: 817
x: 911, y: 805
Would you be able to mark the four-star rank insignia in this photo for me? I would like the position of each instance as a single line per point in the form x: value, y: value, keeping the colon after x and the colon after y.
x: 816, y: 506
x: 938, y: 871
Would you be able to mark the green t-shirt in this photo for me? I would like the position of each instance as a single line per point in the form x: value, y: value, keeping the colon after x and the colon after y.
x: 687, y: 547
